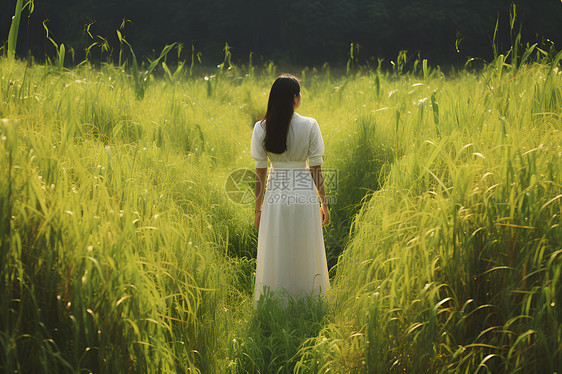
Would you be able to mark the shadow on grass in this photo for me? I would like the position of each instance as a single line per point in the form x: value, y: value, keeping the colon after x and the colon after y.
x: 268, y: 341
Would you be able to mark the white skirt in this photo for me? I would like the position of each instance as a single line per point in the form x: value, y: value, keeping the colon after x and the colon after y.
x: 291, y: 256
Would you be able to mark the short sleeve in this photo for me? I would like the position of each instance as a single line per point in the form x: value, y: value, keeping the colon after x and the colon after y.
x: 316, y: 146
x: 257, y: 148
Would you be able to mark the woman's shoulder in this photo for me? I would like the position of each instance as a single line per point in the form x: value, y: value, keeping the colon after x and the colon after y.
x: 302, y: 119
x: 259, y: 125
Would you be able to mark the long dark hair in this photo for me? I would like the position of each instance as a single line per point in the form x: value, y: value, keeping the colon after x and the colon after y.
x: 279, y: 112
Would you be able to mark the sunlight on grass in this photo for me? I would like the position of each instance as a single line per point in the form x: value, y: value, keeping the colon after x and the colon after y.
x: 120, y: 250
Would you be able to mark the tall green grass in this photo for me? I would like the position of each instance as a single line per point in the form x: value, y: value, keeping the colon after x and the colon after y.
x: 454, y: 265
x: 120, y: 251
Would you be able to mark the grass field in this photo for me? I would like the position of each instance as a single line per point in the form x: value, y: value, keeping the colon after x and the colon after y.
x: 121, y: 252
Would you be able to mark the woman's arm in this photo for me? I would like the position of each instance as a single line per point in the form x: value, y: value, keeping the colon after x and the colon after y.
x: 316, y: 172
x: 259, y: 191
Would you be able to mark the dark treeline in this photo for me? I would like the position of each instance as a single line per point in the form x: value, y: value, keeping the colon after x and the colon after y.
x: 295, y: 32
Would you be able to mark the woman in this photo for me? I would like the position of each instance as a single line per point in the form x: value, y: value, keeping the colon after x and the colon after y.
x: 291, y: 256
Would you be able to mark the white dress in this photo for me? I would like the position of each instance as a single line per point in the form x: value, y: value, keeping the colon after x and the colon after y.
x: 291, y: 255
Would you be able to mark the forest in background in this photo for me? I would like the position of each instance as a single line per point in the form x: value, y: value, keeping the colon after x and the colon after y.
x: 291, y: 32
